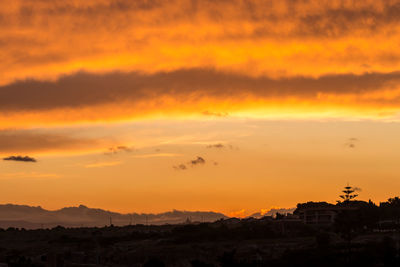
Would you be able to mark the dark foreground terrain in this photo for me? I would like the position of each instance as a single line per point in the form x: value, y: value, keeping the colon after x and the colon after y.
x: 230, y: 242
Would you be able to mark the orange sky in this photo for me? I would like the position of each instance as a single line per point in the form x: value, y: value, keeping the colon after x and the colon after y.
x: 80, y: 78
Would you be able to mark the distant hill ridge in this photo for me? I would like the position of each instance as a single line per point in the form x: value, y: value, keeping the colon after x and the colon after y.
x: 30, y: 217
x: 273, y: 212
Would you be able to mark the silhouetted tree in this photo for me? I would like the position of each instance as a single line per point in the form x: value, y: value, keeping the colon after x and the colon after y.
x: 390, y: 210
x: 348, y: 194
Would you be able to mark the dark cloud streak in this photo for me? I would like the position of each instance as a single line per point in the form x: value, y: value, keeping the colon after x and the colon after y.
x: 20, y: 158
x: 83, y: 89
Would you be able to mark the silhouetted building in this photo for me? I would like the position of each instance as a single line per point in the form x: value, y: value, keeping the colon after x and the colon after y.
x: 318, y: 216
x: 323, y: 213
x: 292, y: 217
x: 317, y: 213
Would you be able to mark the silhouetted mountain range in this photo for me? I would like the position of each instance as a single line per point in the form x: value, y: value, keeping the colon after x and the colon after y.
x: 29, y: 217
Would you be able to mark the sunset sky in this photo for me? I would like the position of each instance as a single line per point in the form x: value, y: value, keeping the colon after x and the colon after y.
x: 231, y: 106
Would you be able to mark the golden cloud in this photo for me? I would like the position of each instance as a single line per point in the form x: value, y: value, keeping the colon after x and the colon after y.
x: 47, y: 39
x: 84, y: 97
x: 183, y: 58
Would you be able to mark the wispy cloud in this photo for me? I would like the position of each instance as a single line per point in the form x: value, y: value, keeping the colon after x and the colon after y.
x: 29, y: 175
x: 358, y: 189
x: 117, y: 149
x: 103, y: 164
x: 219, y: 145
x: 193, y: 163
x: 351, y: 142
x: 198, y: 161
x: 158, y: 155
x: 215, y: 114
x: 180, y: 167
x: 33, y: 141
